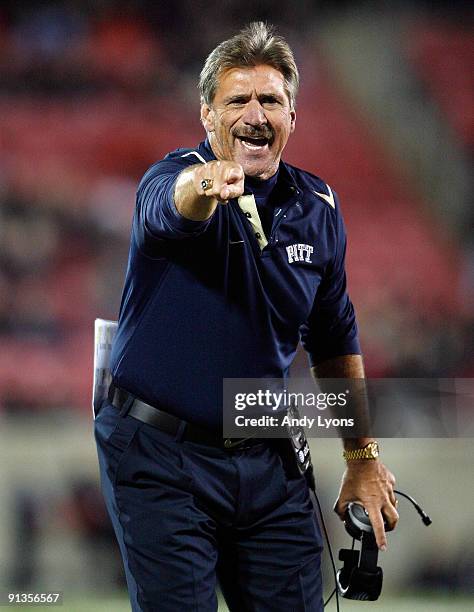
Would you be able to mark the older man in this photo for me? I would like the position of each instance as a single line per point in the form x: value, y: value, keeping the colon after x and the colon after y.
x: 234, y: 257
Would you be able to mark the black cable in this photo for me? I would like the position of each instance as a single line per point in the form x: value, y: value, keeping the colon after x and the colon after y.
x: 330, y: 597
x: 424, y: 517
x: 330, y: 552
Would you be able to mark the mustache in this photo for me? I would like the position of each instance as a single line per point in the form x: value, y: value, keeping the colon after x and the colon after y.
x: 253, y: 132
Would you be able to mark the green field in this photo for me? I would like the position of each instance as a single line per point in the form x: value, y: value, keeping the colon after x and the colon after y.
x: 385, y: 604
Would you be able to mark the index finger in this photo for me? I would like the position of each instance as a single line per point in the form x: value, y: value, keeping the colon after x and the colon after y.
x: 234, y: 174
x: 376, y: 520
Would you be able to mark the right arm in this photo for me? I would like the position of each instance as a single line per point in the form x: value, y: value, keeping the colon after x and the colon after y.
x: 171, y: 203
x: 192, y: 202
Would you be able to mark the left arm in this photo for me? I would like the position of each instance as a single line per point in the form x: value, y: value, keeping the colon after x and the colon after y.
x: 330, y: 337
x: 366, y: 481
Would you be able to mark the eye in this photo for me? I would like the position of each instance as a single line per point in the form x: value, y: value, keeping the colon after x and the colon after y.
x: 269, y: 101
x: 239, y: 101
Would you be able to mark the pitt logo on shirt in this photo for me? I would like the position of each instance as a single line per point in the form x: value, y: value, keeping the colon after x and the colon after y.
x: 299, y: 252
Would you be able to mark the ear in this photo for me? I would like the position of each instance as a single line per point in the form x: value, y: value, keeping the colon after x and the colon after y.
x: 293, y: 121
x: 207, y: 117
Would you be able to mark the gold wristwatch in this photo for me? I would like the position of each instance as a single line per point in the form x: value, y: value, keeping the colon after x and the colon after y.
x: 369, y: 451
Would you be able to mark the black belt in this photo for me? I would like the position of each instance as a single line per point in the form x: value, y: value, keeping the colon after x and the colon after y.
x: 129, y: 404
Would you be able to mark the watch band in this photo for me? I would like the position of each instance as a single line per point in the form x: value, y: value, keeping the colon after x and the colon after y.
x: 369, y: 451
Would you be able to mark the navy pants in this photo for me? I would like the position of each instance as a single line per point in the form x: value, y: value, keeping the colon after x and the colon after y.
x: 187, y: 515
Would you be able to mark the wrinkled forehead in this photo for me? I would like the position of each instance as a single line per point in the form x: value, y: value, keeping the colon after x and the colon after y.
x: 244, y: 80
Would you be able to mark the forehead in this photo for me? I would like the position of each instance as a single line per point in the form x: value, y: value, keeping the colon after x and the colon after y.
x: 240, y: 80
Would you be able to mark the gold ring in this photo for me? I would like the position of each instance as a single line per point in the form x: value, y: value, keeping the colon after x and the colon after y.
x: 206, y: 184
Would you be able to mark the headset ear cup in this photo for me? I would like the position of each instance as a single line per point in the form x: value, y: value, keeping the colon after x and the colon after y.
x: 350, y: 559
x: 358, y: 584
x: 352, y: 529
x: 364, y: 585
x: 356, y: 521
x: 342, y: 580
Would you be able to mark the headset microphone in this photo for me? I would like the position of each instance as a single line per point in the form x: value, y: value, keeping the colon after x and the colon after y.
x: 424, y: 517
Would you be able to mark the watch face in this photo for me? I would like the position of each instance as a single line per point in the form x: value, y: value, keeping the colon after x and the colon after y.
x: 373, y: 447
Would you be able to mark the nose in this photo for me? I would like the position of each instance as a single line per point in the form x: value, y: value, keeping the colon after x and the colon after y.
x: 254, y: 114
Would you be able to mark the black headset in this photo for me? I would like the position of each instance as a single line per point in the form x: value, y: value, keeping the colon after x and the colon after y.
x: 360, y: 577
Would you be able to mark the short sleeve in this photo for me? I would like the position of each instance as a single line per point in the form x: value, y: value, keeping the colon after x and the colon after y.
x: 331, y: 329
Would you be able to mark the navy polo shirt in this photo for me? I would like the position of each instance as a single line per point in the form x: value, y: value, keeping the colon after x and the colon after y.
x: 224, y: 298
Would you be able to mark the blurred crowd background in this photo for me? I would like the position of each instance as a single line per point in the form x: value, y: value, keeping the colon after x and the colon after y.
x: 93, y: 92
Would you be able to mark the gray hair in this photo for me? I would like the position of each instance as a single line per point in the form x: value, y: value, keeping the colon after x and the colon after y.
x: 255, y: 44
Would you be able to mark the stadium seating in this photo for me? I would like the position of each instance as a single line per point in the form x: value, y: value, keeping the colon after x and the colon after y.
x: 72, y: 163
x: 443, y: 55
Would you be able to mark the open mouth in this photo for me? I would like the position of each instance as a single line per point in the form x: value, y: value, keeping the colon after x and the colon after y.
x: 253, y: 144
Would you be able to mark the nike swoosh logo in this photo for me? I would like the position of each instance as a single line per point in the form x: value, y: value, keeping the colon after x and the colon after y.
x: 236, y: 241
x: 327, y: 198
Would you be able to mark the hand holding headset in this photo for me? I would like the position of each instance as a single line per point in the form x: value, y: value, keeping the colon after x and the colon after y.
x: 360, y: 578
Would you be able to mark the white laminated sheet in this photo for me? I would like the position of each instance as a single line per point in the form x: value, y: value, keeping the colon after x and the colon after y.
x: 104, y: 334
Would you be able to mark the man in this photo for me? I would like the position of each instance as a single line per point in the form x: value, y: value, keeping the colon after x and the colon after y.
x: 219, y: 285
